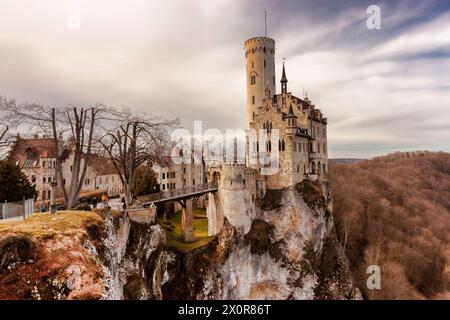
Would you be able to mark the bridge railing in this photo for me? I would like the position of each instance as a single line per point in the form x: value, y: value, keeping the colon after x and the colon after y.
x: 180, y: 192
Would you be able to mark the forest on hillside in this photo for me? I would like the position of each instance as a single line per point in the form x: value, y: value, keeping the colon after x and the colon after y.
x: 394, y: 211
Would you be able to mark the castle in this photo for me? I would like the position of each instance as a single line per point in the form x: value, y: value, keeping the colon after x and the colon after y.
x: 300, y: 144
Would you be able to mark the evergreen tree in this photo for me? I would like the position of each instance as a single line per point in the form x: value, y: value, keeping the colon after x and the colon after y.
x: 14, y: 185
x: 145, y: 181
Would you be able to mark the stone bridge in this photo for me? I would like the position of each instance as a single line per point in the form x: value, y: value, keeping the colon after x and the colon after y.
x: 184, y: 197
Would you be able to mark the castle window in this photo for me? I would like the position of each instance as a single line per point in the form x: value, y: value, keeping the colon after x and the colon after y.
x: 324, y: 149
x: 243, y: 182
x: 33, y: 179
x: 253, y: 116
x: 295, y: 147
x: 43, y: 164
x: 282, y: 145
x: 273, y: 80
x: 44, y: 179
x: 253, y: 65
x: 253, y: 99
x: 298, y: 169
x: 264, y: 63
x: 318, y: 147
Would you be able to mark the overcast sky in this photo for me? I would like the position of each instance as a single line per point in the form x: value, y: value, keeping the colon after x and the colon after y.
x: 382, y: 90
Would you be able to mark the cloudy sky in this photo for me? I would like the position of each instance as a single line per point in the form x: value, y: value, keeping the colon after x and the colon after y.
x: 382, y: 90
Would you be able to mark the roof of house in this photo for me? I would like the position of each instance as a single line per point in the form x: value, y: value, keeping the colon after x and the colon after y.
x: 28, y: 152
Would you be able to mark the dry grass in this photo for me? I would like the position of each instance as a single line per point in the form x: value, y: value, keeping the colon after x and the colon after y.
x: 46, y: 225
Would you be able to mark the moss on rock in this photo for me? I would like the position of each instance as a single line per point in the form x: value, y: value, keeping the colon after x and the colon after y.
x: 312, y: 194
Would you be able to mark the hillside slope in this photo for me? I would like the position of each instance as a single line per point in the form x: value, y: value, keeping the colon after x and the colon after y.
x: 394, y: 212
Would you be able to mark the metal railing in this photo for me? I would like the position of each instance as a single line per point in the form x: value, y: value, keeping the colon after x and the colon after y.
x: 182, y: 192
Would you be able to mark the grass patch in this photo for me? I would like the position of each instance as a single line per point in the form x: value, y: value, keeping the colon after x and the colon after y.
x: 46, y: 225
x: 173, y: 231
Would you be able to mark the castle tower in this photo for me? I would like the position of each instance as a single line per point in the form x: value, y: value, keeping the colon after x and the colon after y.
x: 260, y: 58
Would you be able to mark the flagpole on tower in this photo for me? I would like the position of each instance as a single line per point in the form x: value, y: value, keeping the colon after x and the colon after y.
x: 265, y: 23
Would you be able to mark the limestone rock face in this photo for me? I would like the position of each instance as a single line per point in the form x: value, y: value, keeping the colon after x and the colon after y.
x: 133, y: 259
x: 289, y: 252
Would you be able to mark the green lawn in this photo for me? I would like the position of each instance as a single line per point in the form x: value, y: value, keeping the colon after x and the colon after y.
x: 173, y: 231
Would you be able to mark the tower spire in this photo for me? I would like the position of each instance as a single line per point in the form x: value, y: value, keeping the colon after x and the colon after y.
x: 283, y: 80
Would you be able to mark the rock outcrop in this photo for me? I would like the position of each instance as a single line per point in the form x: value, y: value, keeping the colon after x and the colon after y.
x: 290, y: 252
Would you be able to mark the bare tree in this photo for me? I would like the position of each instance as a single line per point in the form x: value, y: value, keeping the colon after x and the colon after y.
x: 77, y: 124
x: 136, y: 139
x: 4, y: 142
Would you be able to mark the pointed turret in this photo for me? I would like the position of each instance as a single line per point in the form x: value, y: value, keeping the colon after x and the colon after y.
x: 291, y: 127
x: 283, y: 81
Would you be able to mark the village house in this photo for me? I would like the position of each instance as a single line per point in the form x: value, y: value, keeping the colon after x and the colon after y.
x: 37, y: 159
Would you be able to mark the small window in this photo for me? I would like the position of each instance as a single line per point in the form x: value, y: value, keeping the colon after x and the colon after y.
x: 253, y: 99
x: 33, y: 179
x: 44, y: 179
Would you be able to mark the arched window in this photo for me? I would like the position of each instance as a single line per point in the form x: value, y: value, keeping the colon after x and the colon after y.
x: 282, y: 145
x: 324, y: 148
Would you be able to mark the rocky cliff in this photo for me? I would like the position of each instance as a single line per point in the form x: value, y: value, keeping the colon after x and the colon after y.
x: 289, y: 251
